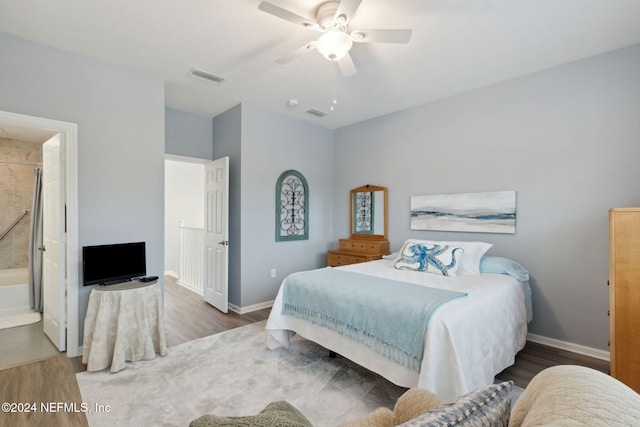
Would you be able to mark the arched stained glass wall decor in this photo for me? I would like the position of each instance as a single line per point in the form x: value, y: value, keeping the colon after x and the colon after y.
x: 292, y: 207
x: 363, y: 212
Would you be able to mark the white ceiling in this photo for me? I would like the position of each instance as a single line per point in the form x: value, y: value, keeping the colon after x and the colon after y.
x: 457, y: 46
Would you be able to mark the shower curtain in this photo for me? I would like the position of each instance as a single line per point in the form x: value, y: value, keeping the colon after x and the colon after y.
x: 35, y: 243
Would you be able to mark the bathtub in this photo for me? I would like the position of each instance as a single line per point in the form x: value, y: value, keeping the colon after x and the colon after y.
x: 14, y: 295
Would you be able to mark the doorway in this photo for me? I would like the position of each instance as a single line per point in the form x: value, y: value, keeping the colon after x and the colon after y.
x: 22, y: 336
x: 67, y: 286
x: 196, y: 226
x: 184, y: 221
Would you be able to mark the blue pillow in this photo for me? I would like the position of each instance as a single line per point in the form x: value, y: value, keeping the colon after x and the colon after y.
x: 499, y: 265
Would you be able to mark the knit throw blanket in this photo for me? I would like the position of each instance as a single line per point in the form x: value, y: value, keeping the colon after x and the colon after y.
x: 388, y: 316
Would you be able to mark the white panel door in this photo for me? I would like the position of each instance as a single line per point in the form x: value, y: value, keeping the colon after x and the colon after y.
x: 53, y: 264
x: 216, y: 234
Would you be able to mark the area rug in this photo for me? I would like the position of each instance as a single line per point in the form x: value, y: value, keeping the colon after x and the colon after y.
x: 19, y: 320
x: 233, y: 373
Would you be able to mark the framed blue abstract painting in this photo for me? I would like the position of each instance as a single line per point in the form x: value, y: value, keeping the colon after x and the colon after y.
x: 487, y: 212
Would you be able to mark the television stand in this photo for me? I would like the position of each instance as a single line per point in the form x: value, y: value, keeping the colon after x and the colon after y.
x: 124, y: 322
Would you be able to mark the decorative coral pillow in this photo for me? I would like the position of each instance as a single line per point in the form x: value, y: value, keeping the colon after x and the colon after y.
x: 469, y: 261
x: 430, y: 258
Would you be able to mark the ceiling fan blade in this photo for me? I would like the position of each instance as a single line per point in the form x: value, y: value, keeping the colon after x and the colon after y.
x: 279, y: 12
x: 346, y: 65
x: 346, y: 10
x: 381, y: 36
x: 296, y: 53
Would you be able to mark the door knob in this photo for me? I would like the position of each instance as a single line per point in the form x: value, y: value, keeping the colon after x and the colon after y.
x: 224, y: 243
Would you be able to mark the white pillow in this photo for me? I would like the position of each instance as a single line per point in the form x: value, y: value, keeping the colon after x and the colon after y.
x: 469, y: 261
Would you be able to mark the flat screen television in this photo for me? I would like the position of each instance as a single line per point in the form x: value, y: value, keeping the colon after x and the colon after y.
x: 110, y: 264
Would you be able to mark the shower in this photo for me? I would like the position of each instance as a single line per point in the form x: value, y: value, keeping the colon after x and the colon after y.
x: 20, y: 212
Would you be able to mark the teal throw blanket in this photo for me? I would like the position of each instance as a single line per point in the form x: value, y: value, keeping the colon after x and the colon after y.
x: 389, y: 316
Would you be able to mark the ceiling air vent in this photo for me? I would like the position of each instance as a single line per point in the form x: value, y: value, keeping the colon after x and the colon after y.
x: 211, y: 78
x: 316, y: 112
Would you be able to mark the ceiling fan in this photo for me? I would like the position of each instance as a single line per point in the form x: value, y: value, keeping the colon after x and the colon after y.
x: 332, y: 20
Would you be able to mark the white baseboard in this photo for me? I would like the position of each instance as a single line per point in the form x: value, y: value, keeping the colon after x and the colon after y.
x: 250, y: 308
x: 195, y: 291
x: 568, y: 346
x: 172, y: 274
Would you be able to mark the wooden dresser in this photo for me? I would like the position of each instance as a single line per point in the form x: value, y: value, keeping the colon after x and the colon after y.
x: 624, y: 295
x: 352, y: 251
x: 368, y: 228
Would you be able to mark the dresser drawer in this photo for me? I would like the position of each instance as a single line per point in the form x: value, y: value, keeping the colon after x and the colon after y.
x: 352, y: 245
x: 335, y: 259
x: 365, y: 246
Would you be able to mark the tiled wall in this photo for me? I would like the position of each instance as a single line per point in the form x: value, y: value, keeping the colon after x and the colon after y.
x: 16, y: 195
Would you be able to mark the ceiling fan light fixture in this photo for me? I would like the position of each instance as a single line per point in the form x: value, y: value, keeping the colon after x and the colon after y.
x: 334, y: 44
x: 358, y: 36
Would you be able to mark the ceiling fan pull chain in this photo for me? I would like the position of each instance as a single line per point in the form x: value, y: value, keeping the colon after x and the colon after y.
x: 334, y: 96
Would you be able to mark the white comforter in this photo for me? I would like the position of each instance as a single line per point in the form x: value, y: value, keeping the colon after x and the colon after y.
x: 469, y: 340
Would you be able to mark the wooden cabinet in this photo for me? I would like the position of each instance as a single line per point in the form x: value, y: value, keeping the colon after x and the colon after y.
x: 351, y: 251
x: 624, y: 295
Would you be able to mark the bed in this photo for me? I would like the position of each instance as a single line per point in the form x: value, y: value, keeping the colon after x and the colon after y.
x: 467, y: 340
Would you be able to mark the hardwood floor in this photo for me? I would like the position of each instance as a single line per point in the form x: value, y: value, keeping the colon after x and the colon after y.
x: 47, y: 382
x: 536, y: 357
x: 187, y: 317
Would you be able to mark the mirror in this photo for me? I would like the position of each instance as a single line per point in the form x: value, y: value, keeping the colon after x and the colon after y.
x: 369, y: 212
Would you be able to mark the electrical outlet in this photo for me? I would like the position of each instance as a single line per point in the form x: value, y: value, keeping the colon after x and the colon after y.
x: 273, y: 273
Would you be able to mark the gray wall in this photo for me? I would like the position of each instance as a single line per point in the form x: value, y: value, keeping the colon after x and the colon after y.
x: 261, y: 145
x: 188, y: 134
x: 271, y: 144
x: 120, y: 117
x: 566, y: 139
